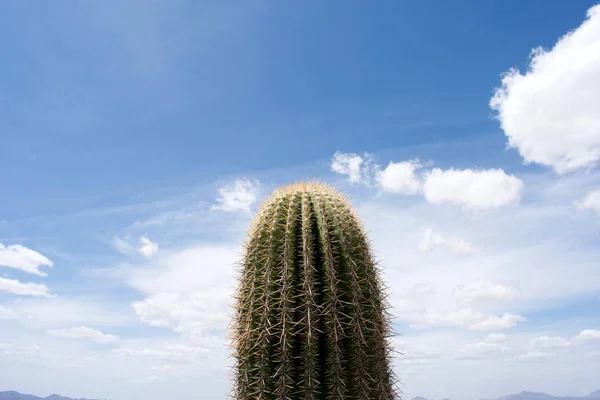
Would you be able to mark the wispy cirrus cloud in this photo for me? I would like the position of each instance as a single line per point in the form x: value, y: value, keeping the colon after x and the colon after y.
x: 126, y: 245
x: 187, y: 291
x: 549, y: 343
x: 24, y: 259
x: 431, y: 239
x: 58, y: 311
x: 173, y: 353
x: 14, y: 286
x: 591, y: 202
x: 6, y: 313
x: 85, y: 333
x: 490, y: 347
x: 468, y: 318
x: 484, y: 291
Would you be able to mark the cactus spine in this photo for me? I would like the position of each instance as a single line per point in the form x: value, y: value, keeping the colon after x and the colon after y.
x: 311, y: 318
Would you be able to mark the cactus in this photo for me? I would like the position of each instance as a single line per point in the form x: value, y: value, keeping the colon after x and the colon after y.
x: 311, y: 318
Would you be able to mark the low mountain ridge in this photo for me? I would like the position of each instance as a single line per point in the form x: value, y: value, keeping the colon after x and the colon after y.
x: 536, y: 396
x: 544, y: 396
x: 12, y: 395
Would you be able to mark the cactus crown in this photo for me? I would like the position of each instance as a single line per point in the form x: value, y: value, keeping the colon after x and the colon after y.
x: 311, y: 317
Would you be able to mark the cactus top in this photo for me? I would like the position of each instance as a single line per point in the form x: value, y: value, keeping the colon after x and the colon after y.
x: 311, y: 316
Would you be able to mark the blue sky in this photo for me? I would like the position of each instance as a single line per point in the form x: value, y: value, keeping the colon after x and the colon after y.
x: 138, y: 137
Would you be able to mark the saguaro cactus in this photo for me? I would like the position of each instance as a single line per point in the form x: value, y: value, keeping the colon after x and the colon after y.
x: 311, y: 318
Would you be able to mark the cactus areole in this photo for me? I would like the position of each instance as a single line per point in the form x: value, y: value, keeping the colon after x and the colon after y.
x: 311, y: 318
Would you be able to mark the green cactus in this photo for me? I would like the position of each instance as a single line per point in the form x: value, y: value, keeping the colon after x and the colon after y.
x: 311, y: 318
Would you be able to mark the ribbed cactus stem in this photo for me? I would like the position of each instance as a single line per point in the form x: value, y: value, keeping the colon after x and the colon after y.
x: 311, y: 316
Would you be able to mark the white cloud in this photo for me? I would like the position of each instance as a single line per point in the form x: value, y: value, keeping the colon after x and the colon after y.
x: 6, y: 313
x: 147, y: 248
x: 126, y: 245
x: 162, y: 368
x: 484, y: 291
x: 193, y: 313
x: 422, y: 288
x: 591, y: 201
x: 421, y: 355
x: 531, y: 356
x: 504, y: 321
x: 59, y: 311
x: 356, y: 167
x: 20, y: 351
x: 473, y: 189
x: 122, y: 244
x: 188, y: 291
x: 468, y: 318
x: 237, y: 196
x: 592, y: 355
x: 410, y: 305
x: 400, y: 177
x: 550, y: 113
x: 23, y: 289
x: 480, y: 350
x: 517, y: 244
x: 431, y: 239
x: 588, y: 334
x: 549, y: 342
x: 543, y: 347
x: 24, y: 259
x: 83, y: 332
x: 495, y: 338
x: 173, y: 353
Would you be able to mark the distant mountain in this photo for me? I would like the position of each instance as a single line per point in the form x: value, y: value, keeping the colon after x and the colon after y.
x: 12, y: 395
x: 545, y: 396
x: 533, y: 396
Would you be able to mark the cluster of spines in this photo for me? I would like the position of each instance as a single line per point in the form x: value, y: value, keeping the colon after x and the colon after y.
x: 311, y: 314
